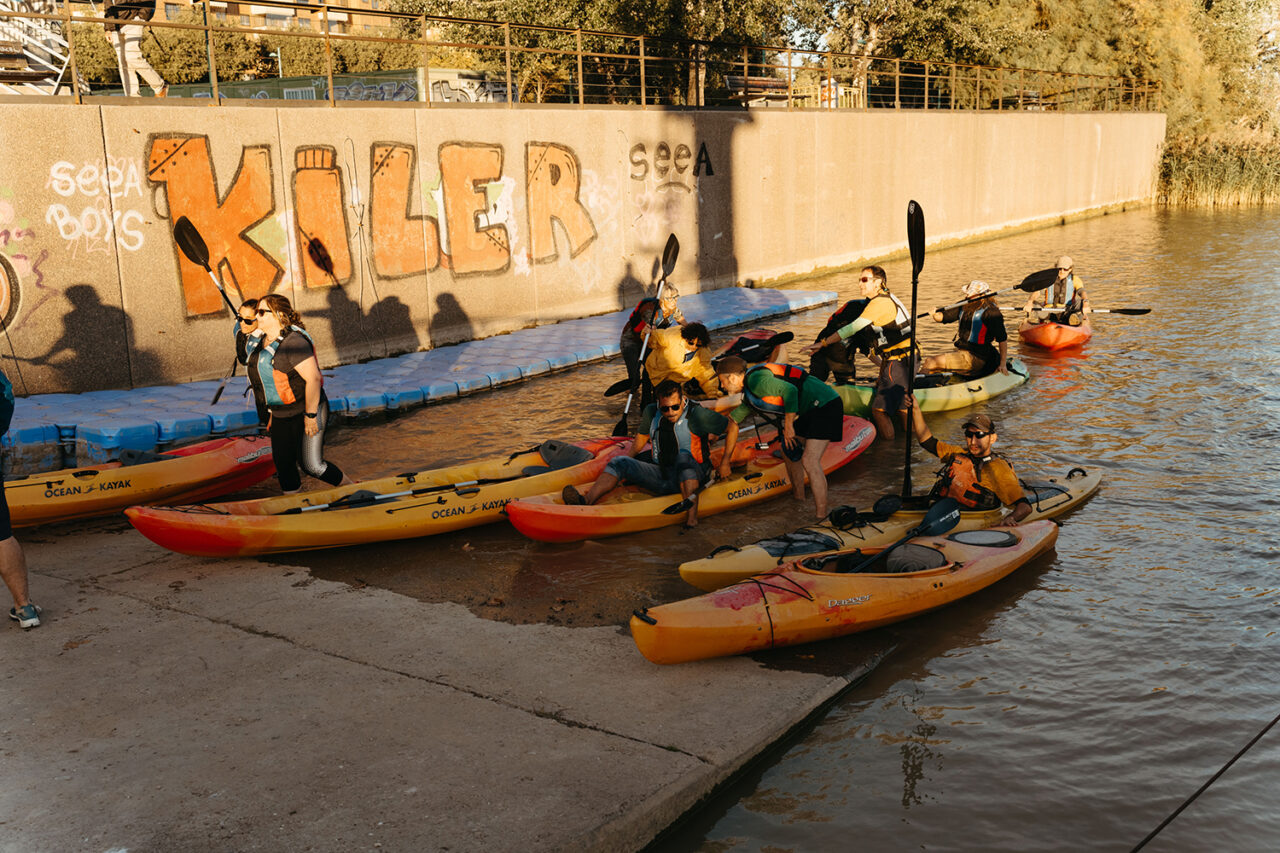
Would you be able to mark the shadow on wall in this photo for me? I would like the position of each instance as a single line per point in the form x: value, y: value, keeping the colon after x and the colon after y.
x: 630, y: 289
x: 449, y: 322
x: 390, y: 318
x: 84, y: 355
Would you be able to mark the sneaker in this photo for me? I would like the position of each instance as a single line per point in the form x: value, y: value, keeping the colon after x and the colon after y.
x: 27, y: 616
x: 572, y: 497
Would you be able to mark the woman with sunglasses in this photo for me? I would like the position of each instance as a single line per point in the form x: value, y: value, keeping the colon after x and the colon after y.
x: 246, y: 325
x: 974, y: 475
x: 285, y: 373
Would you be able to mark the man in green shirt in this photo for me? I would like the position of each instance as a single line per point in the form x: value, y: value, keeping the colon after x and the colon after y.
x: 808, y: 411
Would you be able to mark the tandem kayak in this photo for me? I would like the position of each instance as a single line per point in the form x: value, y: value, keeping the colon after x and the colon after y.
x: 956, y: 393
x: 627, y: 509
x: 409, y: 505
x: 812, y: 600
x: 196, y: 472
x: 846, y: 528
x: 1054, y: 336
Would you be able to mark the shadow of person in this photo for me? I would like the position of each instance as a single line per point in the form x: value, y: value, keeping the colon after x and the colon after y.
x: 630, y: 289
x: 389, y: 319
x: 97, y: 347
x: 353, y: 335
x: 449, y: 322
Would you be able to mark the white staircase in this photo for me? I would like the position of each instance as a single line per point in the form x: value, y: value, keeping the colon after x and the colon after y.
x: 34, y: 57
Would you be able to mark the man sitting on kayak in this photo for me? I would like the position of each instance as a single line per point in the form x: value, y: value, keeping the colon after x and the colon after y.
x: 810, y: 411
x: 682, y: 433
x: 682, y: 354
x: 973, y: 474
x: 1067, y: 293
x: 981, y: 329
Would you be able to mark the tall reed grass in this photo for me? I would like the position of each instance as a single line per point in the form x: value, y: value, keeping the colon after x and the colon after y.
x: 1219, y: 173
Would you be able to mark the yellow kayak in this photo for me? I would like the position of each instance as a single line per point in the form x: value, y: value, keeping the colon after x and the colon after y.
x: 846, y: 529
x: 940, y: 398
x: 421, y: 503
x: 209, y: 469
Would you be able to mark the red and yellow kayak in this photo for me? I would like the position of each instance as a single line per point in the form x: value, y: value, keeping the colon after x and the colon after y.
x: 409, y: 505
x: 1054, y: 336
x: 197, y: 472
x: 804, y: 602
x: 627, y: 509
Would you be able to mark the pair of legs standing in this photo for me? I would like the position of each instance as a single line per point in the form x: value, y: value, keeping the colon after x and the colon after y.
x: 291, y: 447
x: 127, y: 40
x: 13, y: 568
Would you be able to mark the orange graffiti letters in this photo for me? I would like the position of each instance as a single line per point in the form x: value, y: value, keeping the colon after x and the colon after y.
x: 317, y: 198
x: 554, y: 180
x: 403, y: 245
x: 476, y: 243
x: 183, y: 165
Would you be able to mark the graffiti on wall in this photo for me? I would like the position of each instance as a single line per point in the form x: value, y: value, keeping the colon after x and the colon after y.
x: 466, y: 224
x: 97, y: 208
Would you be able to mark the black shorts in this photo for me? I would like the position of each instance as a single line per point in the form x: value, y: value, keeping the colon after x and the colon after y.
x: 826, y: 422
x: 6, y: 526
x: 891, y: 386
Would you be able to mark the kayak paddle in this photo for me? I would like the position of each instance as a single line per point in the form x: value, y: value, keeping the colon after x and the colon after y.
x: 1033, y: 283
x: 222, y: 386
x: 941, y: 517
x: 365, y: 498
x: 915, y: 241
x: 1131, y: 312
x: 197, y: 251
x: 669, y: 253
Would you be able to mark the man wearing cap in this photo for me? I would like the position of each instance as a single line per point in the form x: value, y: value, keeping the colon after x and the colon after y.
x: 1067, y: 293
x: 973, y: 474
x: 982, y: 344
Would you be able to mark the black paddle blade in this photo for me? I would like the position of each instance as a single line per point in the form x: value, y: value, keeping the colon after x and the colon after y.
x: 190, y: 242
x: 669, y: 254
x: 915, y: 237
x: 1039, y: 280
x: 320, y: 256
x: 618, y: 387
x: 620, y: 429
x: 941, y: 517
x: 218, y: 394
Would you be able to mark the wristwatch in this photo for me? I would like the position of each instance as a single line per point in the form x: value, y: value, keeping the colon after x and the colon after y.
x: 311, y: 415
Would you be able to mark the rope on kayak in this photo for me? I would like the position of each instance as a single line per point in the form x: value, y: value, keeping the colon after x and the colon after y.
x: 1189, y: 800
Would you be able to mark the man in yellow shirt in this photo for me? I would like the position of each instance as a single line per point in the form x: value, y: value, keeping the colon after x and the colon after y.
x: 681, y: 354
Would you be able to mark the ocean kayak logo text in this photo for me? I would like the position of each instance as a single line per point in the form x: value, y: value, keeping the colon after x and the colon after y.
x: 67, y: 491
x: 747, y: 492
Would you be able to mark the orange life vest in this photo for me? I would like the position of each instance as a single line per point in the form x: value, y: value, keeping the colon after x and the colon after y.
x: 958, y: 479
x: 773, y: 404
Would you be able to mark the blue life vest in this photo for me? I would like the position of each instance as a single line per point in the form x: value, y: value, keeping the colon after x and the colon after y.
x: 6, y: 403
x: 686, y: 438
x: 773, y: 405
x: 266, y: 363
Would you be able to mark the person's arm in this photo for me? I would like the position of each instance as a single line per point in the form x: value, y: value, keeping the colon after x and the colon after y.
x: 638, y: 444
x: 706, y: 374
x: 1009, y: 490
x: 731, y: 440
x: 1004, y: 357
x: 923, y: 435
x: 309, y: 370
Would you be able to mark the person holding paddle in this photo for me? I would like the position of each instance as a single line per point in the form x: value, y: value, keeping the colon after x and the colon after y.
x: 808, y: 412
x: 885, y: 326
x: 982, y: 343
x: 285, y: 372
x: 682, y: 433
x: 650, y: 313
x: 974, y: 475
x: 246, y: 325
x: 1066, y: 293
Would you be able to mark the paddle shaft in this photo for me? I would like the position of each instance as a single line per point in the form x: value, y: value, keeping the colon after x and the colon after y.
x: 915, y: 241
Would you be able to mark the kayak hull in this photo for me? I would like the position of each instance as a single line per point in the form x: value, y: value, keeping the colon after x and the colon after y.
x: 1054, y: 336
x: 1050, y: 497
x: 799, y: 605
x: 284, y: 524
x: 941, y: 398
x: 628, y: 510
x: 201, y: 471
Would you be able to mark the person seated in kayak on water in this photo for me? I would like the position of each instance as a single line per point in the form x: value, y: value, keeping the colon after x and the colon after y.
x: 1067, y: 292
x: 885, y: 327
x: 837, y: 359
x: 982, y: 344
x: 650, y: 313
x: 973, y: 474
x: 682, y: 433
x: 682, y: 355
x: 808, y: 412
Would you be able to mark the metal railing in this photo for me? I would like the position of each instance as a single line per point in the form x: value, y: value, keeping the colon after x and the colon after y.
x: 520, y: 64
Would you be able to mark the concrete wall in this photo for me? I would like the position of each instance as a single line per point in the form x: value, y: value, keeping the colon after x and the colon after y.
x: 449, y: 224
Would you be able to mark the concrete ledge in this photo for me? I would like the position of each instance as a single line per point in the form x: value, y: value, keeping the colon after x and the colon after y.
x: 54, y: 430
x: 176, y: 703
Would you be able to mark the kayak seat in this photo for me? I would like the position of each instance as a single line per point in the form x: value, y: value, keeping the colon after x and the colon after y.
x: 562, y: 454
x: 356, y: 497
x: 129, y: 456
x: 913, y: 558
x: 1039, y: 490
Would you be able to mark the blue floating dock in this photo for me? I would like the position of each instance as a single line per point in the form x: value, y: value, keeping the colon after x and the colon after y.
x: 50, y: 430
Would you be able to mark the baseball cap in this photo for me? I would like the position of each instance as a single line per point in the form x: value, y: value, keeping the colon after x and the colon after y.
x: 982, y: 423
x: 975, y: 288
x: 1065, y: 263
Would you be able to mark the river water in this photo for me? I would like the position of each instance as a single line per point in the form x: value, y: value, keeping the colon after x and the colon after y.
x: 1073, y: 705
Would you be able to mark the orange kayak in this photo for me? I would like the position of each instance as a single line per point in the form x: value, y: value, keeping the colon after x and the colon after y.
x: 811, y: 600
x: 419, y: 503
x: 193, y: 473
x: 627, y: 509
x: 1054, y: 336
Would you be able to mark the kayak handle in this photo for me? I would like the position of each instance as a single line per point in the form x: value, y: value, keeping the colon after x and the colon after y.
x: 643, y: 616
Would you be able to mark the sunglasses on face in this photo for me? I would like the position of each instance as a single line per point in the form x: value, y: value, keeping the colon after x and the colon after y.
x: 970, y: 433
x: 252, y: 319
x: 674, y: 408
x: 865, y: 279
x: 262, y: 312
